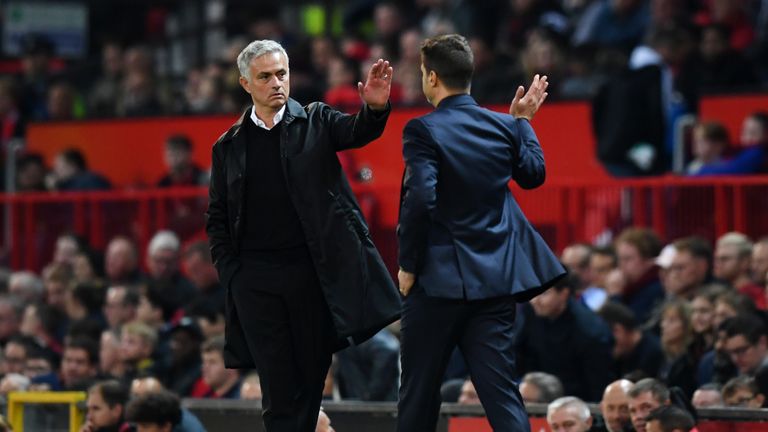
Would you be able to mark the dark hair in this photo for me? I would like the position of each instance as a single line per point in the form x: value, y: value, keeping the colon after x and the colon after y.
x: 74, y: 157
x: 658, y: 390
x: 179, y: 142
x: 644, y: 240
x: 112, y: 391
x: 570, y: 281
x: 714, y: 131
x: 29, y: 159
x: 86, y: 344
x: 608, y: 251
x: 740, y: 382
x: 762, y: 118
x: 199, y: 248
x: 749, y: 326
x: 450, y: 57
x: 671, y: 418
x: 90, y: 295
x: 159, y: 408
x: 215, y: 343
x: 155, y: 297
x: 696, y: 246
x: 616, y: 313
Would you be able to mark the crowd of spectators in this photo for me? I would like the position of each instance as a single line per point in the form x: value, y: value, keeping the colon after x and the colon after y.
x: 689, y: 318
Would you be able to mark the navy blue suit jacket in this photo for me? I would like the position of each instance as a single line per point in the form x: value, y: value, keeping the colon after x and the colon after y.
x: 460, y: 230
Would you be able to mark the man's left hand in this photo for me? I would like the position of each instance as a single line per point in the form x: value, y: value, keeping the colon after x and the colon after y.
x: 375, y: 91
x: 406, y: 281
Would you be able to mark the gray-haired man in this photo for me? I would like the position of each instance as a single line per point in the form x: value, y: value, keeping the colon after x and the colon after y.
x: 288, y: 237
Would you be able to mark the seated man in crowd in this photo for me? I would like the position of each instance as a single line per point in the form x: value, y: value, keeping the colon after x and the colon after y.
x: 634, y: 350
x: 645, y: 396
x: 615, y: 406
x: 637, y: 249
x: 222, y: 383
x: 747, y: 344
x: 106, y: 407
x: 569, y: 414
x: 733, y: 255
x: 742, y: 392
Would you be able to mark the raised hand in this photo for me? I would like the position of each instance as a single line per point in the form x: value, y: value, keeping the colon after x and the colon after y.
x: 375, y: 91
x: 526, y: 105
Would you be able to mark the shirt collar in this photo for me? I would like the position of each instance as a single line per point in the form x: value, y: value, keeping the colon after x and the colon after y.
x: 275, y: 120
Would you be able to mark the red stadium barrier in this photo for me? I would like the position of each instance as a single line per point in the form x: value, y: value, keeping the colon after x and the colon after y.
x: 563, y: 213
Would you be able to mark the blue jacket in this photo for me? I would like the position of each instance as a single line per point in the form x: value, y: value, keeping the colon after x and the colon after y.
x: 750, y: 160
x: 461, y: 231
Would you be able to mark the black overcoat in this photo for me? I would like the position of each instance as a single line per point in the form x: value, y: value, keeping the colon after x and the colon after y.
x: 359, y: 290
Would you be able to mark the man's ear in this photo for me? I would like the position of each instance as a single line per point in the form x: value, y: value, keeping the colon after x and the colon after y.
x: 244, y: 84
x: 432, y: 78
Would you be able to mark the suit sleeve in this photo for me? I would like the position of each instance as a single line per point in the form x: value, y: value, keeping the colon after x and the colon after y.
x: 216, y: 223
x: 529, y: 171
x: 353, y: 131
x: 418, y: 196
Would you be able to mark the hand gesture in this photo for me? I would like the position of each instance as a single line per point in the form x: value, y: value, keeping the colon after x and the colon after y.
x: 375, y: 91
x: 406, y: 281
x: 525, y: 106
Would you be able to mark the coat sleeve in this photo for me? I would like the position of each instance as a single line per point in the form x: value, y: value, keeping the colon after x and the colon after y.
x: 217, y: 223
x: 529, y: 171
x: 418, y: 196
x: 353, y: 131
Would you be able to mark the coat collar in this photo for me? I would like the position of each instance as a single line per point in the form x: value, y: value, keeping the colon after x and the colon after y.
x: 456, y: 100
x: 293, y: 111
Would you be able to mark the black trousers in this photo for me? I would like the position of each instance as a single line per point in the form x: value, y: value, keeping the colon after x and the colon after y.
x: 290, y: 335
x: 483, y: 331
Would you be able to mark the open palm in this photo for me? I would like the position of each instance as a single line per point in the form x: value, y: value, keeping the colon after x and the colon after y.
x: 375, y: 91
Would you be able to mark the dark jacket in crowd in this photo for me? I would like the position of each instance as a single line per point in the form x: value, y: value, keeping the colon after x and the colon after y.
x: 647, y: 358
x: 356, y: 285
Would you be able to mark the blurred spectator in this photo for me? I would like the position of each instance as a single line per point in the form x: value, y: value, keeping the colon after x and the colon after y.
x: 139, y: 95
x: 732, y: 15
x: 520, y: 19
x: 250, y: 389
x: 14, y: 356
x: 12, y: 122
x: 137, y: 343
x: 30, y: 173
x: 182, y: 171
x: 369, y: 371
x: 79, y: 366
x: 583, y: 362
x: 186, y: 360
x: 105, y: 92
x: 388, y: 23
x: 569, y: 414
x: 11, y: 311
x: 636, y: 249
x: 615, y: 406
x: 669, y: 418
x: 490, y: 79
x: 720, y: 66
x: 26, y: 286
x: 204, y: 92
x: 208, y: 317
x: 223, y: 383
x: 543, y: 54
x: 67, y: 246
x: 406, y: 82
x: 158, y: 411
x: 342, y: 81
x: 42, y: 322
x: 615, y: 283
x: 70, y: 173
x: 121, y: 263
x: 751, y: 158
x: 645, y: 396
x: 601, y: 262
x: 56, y: 279
x: 613, y: 23
x: 731, y: 304
x: 87, y: 266
x: 743, y: 392
x: 110, y: 363
x: 710, y: 141
x: 61, y: 102
x: 759, y: 264
x: 163, y: 256
x: 84, y: 302
x: 747, y: 343
x: 140, y: 387
x: 703, y: 315
x: 576, y: 258
x: 540, y: 387
x: 468, y: 395
x: 708, y: 396
x: 733, y: 254
x: 690, y: 269
x: 716, y: 366
x: 120, y: 305
x: 679, y: 369
x: 199, y: 268
x: 634, y: 351
x: 105, y: 408
x: 36, y: 75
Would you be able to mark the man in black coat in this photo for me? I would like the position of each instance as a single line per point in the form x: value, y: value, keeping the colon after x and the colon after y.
x: 288, y: 237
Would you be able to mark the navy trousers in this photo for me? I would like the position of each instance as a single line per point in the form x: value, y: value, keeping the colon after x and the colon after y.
x: 483, y: 331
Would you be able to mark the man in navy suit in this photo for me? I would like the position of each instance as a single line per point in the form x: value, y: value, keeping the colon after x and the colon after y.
x: 467, y: 253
